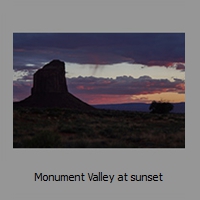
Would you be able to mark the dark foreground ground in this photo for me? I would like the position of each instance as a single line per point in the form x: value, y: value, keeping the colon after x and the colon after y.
x: 64, y: 128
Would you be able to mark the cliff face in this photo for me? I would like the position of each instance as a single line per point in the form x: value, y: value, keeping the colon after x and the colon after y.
x: 50, y: 79
x: 50, y: 89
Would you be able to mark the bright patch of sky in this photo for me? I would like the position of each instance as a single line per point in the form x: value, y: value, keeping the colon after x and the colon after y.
x: 112, y: 71
x: 123, y: 69
x: 30, y: 65
x: 164, y: 96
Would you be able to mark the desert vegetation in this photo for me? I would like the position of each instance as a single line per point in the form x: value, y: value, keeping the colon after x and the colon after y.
x: 66, y: 128
x: 161, y: 107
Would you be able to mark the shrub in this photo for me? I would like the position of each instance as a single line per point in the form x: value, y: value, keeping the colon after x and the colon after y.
x: 43, y: 139
x: 160, y: 107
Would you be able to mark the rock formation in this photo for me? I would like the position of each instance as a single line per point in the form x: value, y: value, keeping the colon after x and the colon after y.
x: 50, y: 79
x: 50, y: 89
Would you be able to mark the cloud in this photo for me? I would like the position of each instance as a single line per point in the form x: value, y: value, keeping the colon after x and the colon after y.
x: 104, y: 98
x: 24, y: 73
x: 149, y: 49
x: 25, y: 68
x: 124, y: 85
x: 180, y: 67
x: 95, y: 90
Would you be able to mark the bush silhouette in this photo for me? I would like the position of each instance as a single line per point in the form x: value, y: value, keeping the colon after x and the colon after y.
x: 160, y: 107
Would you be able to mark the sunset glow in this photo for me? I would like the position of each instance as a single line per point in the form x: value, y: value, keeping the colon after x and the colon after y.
x: 105, y: 68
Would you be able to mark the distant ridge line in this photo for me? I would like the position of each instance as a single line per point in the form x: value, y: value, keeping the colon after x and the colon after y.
x: 140, y: 107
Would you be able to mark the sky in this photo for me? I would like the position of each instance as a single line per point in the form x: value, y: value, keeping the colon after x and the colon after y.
x: 105, y: 68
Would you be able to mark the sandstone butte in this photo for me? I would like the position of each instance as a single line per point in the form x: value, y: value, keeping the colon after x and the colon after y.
x: 50, y: 90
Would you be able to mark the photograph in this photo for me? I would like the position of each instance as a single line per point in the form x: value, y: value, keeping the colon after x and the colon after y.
x: 99, y: 90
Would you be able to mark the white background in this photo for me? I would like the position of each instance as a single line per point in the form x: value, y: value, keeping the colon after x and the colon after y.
x: 179, y: 166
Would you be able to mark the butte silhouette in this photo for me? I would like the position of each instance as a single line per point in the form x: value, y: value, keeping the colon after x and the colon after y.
x: 50, y: 90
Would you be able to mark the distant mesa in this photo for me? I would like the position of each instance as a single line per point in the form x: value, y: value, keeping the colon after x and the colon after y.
x: 50, y: 89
